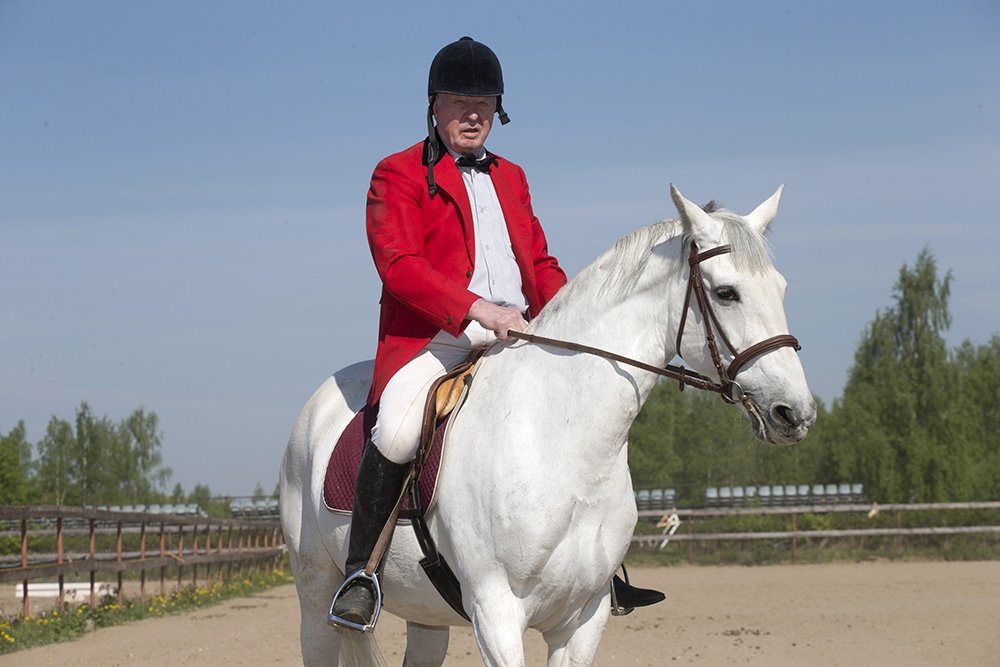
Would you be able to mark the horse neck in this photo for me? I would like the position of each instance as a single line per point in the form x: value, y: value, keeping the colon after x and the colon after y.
x: 638, y: 322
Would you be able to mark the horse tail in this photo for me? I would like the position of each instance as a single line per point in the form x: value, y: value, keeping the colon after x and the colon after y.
x: 360, y: 649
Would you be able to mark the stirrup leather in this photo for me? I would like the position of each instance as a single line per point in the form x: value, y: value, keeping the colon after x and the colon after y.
x: 359, y: 578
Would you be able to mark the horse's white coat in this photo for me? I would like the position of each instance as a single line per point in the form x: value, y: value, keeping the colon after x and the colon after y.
x: 535, y: 508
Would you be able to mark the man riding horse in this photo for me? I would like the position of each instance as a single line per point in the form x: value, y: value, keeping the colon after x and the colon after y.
x: 463, y: 260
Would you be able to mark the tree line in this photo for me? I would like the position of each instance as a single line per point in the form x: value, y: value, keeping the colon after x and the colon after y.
x: 89, y: 461
x: 917, y: 422
x: 95, y: 461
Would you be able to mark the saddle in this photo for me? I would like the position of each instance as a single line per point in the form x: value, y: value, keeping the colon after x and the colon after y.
x: 443, y: 399
x: 342, y: 469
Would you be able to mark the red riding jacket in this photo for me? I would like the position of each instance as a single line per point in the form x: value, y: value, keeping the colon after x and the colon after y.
x: 424, y: 251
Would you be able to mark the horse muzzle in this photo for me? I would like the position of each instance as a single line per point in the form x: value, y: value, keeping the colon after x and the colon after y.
x: 780, y: 423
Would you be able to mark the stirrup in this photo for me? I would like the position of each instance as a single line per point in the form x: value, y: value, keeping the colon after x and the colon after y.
x: 358, y: 578
x: 617, y: 609
x: 630, y: 597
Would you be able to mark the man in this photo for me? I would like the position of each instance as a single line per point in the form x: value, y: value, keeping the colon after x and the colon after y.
x: 462, y: 259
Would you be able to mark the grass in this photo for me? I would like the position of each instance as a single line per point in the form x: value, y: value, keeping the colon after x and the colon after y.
x: 18, y: 633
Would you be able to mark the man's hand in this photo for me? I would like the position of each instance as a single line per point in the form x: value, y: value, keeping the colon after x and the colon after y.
x: 499, y: 319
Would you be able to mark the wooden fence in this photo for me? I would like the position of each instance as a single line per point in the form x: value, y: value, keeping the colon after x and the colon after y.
x: 60, y: 542
x: 793, y: 533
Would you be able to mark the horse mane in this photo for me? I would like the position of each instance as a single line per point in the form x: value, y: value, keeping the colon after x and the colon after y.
x: 624, y: 263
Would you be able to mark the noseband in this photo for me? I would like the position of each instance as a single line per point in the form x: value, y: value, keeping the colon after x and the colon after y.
x: 728, y: 387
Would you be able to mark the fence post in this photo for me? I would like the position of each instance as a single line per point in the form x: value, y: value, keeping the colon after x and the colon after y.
x: 92, y: 551
x: 218, y: 552
x: 59, y: 559
x: 208, y: 550
x: 163, y: 552
x: 118, y: 559
x: 142, y: 556
x: 276, y: 557
x: 229, y: 545
x: 241, y: 552
x: 26, y: 605
x: 194, y: 552
x: 256, y: 546
x: 180, y: 556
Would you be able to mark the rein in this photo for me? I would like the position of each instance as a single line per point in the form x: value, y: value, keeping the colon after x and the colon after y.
x: 683, y: 375
x: 726, y: 387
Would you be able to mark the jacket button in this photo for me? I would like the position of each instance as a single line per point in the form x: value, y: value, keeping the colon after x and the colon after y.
x: 450, y: 321
x: 468, y: 274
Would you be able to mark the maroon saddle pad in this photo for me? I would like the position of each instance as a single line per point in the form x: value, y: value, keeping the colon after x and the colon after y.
x: 342, y: 470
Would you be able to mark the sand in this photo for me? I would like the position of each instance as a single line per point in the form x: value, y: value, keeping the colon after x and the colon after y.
x: 855, y: 614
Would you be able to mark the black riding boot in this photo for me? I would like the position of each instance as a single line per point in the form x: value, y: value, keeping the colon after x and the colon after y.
x: 625, y: 597
x: 379, y: 484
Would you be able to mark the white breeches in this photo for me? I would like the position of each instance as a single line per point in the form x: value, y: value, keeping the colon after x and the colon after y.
x: 397, y: 429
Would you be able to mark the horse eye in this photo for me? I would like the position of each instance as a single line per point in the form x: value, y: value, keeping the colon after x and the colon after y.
x: 727, y: 293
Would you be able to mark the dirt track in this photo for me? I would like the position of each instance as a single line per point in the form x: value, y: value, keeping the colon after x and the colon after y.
x: 842, y: 614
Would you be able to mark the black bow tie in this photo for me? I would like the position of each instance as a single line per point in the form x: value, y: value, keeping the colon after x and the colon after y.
x: 482, y: 165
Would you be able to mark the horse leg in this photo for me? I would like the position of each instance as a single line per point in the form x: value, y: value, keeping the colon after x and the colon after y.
x: 315, y: 584
x: 498, y: 623
x: 426, y: 645
x: 576, y: 644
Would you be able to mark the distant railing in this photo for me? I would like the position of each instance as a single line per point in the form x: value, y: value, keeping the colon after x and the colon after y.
x: 259, y: 509
x: 793, y: 533
x: 764, y: 495
x: 56, y: 542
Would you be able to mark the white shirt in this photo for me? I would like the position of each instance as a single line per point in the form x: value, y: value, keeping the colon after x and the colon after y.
x: 496, y: 276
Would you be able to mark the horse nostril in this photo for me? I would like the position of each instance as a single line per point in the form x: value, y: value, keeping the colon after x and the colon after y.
x: 785, y: 414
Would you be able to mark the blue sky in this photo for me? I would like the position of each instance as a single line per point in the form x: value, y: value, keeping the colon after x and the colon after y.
x: 182, y: 183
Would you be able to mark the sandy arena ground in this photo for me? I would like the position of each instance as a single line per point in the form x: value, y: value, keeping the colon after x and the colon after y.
x: 841, y: 614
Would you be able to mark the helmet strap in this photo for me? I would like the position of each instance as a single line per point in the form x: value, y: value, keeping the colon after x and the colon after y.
x: 501, y: 114
x: 433, y: 149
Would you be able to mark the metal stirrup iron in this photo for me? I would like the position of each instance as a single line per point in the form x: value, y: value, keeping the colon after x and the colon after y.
x: 359, y: 578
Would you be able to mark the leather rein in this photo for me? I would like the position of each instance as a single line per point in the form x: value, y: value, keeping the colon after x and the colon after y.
x: 727, y: 386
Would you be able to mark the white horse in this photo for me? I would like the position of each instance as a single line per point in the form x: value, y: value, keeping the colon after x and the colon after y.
x: 535, y: 509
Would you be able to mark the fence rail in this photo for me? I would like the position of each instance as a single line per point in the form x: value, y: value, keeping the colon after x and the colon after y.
x: 179, y: 542
x: 691, y: 517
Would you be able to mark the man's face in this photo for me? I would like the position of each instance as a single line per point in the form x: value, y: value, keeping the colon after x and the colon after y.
x: 463, y: 121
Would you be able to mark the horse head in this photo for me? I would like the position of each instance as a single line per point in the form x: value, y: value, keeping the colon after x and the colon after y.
x: 736, y: 329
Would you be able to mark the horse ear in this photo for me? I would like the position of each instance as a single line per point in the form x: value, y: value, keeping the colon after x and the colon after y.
x: 762, y: 216
x: 700, y: 226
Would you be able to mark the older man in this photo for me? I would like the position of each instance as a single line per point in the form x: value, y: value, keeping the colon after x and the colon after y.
x: 462, y: 259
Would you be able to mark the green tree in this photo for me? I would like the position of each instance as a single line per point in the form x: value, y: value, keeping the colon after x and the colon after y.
x: 979, y: 369
x: 201, y: 496
x: 101, y: 462
x: 56, y: 474
x: 97, y: 457
x: 144, y: 475
x: 15, y: 464
x: 899, y: 417
x: 178, y: 495
x: 651, y: 439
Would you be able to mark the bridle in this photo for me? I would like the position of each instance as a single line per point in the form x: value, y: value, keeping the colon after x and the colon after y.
x: 727, y: 387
